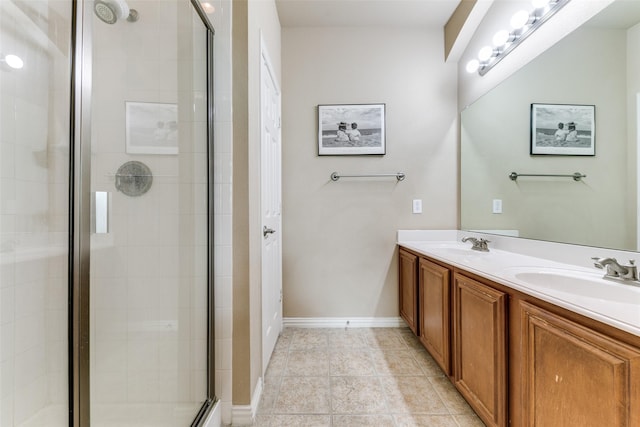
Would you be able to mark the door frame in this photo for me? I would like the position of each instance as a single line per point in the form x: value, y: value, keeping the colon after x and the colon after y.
x: 80, y: 217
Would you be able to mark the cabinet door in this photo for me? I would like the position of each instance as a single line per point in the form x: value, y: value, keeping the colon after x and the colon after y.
x: 576, y: 376
x: 480, y: 366
x: 434, y: 311
x: 408, y: 285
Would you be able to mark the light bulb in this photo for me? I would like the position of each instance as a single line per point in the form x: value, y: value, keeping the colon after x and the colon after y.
x: 14, y: 61
x: 501, y: 38
x: 519, y: 19
x: 539, y: 4
x: 485, y: 53
x: 472, y: 66
x: 209, y: 8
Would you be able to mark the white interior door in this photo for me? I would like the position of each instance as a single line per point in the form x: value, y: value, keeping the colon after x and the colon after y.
x: 271, y: 189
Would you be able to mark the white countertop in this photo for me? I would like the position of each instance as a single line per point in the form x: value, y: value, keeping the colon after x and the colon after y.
x: 620, y: 306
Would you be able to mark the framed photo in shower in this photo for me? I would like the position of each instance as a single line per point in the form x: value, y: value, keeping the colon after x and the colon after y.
x: 351, y: 129
x: 563, y: 130
x: 151, y: 128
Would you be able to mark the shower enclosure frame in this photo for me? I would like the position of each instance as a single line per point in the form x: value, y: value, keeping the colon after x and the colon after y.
x: 80, y: 217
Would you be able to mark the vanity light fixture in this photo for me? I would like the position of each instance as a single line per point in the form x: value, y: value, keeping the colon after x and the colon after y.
x: 523, y: 24
x: 501, y: 38
x: 485, y: 54
x: 519, y: 20
x: 473, y: 65
x: 539, y: 4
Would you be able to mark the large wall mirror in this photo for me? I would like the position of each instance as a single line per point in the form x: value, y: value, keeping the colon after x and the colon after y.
x: 599, y: 65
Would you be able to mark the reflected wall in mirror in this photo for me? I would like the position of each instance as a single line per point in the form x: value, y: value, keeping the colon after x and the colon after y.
x: 598, y: 64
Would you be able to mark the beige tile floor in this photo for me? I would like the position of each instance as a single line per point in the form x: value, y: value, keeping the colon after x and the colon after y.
x: 380, y: 377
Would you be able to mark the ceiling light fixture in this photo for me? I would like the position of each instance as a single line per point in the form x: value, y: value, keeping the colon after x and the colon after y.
x: 13, y: 61
x: 208, y: 7
x: 523, y: 24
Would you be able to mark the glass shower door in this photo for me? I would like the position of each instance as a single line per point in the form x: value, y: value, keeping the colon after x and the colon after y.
x: 149, y: 240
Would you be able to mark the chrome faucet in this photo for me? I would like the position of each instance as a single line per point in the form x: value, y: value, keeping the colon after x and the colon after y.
x: 477, y: 244
x: 616, y: 270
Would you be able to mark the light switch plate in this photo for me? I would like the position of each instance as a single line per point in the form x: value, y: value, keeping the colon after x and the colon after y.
x: 417, y: 206
x: 497, y: 206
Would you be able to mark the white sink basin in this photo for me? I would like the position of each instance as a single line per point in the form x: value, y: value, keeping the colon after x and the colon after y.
x: 452, y: 248
x: 578, y: 284
x: 462, y: 252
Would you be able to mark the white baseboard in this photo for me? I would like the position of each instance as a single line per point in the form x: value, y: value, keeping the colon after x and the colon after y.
x: 344, y: 322
x: 244, y: 415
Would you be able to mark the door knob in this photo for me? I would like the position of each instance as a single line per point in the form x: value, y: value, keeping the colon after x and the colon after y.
x: 266, y: 231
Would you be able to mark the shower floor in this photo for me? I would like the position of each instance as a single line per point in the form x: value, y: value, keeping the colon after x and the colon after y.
x: 50, y: 416
x: 143, y: 415
x: 129, y: 415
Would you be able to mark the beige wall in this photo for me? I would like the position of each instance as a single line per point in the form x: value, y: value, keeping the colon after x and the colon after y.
x: 456, y: 23
x: 495, y: 142
x: 339, y: 237
x: 240, y: 271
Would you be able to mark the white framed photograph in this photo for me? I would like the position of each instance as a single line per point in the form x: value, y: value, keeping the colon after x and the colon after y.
x: 151, y: 128
x: 563, y: 130
x: 351, y: 129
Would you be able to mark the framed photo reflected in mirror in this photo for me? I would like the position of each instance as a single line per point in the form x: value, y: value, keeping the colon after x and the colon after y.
x: 563, y: 130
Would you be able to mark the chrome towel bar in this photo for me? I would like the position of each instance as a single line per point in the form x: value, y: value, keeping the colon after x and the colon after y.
x: 399, y: 176
x: 577, y: 176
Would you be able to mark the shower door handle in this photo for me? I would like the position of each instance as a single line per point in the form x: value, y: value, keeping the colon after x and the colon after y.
x: 100, y: 212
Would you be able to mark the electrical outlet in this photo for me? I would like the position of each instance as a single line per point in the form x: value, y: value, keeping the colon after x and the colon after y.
x: 417, y: 206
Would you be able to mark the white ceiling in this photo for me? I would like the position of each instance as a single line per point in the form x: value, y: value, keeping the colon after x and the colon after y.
x: 361, y: 13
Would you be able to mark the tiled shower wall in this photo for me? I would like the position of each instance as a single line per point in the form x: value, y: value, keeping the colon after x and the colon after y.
x: 34, y: 150
x: 221, y: 19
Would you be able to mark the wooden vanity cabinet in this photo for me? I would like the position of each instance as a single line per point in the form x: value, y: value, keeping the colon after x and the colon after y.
x: 408, y: 288
x: 573, y: 375
x: 517, y: 360
x: 480, y: 348
x: 434, y: 311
